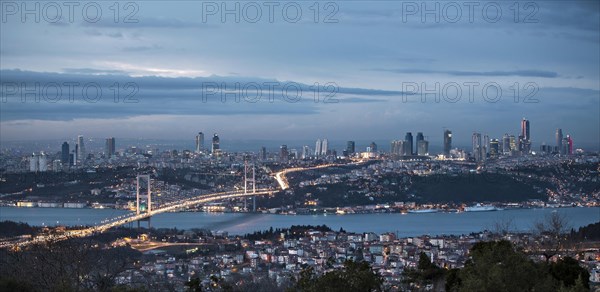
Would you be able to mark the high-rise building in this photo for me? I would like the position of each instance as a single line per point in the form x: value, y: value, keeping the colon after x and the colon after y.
x: 494, y: 148
x: 80, y: 148
x: 215, y: 143
x: 283, y: 153
x: 350, y: 147
x: 486, y: 145
x: 420, y: 137
x: 43, y: 162
x: 34, y: 163
x: 477, y: 147
x: 305, y: 152
x: 408, y: 143
x: 64, y: 155
x: 525, y: 137
x: 570, y: 145
x: 513, y: 143
x: 422, y: 147
x: 525, y: 129
x: 199, y: 142
x: 263, y: 153
x: 447, y: 142
x: 110, y: 147
x: 397, y: 148
x: 318, y: 148
x: 506, y: 144
x: 324, y: 147
x: 373, y: 147
x: 38, y: 162
x: 559, y: 139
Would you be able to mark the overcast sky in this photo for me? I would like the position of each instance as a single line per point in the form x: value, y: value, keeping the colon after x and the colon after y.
x: 372, y: 57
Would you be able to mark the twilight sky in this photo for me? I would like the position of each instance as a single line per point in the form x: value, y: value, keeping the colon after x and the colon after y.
x: 375, y: 58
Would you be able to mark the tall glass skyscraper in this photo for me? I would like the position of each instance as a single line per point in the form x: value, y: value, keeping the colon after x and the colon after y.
x: 447, y: 142
x: 350, y: 147
x: 64, y: 155
x: 199, y: 142
x: 110, y: 147
x: 80, y: 148
x: 215, y: 143
x: 559, y: 140
x: 408, y: 143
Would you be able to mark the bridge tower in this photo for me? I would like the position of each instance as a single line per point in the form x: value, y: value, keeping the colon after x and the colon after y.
x: 145, y: 177
x: 247, y: 180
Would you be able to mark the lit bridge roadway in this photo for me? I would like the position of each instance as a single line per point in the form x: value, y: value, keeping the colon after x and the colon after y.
x: 282, y: 180
x: 132, y: 217
x: 172, y: 206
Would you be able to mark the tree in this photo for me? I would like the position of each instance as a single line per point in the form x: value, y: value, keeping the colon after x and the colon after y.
x: 69, y: 265
x: 551, y: 234
x: 568, y: 271
x: 194, y: 285
x: 355, y: 276
x: 495, y: 266
x: 426, y: 273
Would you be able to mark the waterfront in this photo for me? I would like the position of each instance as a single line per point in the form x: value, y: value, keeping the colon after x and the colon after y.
x: 241, y: 223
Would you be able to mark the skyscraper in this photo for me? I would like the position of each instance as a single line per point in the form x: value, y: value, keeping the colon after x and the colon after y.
x: 525, y: 137
x: 34, y: 163
x: 565, y: 146
x: 305, y: 152
x: 408, y: 143
x: 486, y: 145
x: 525, y: 129
x: 397, y: 148
x: 570, y: 145
x: 350, y: 147
x: 494, y: 148
x: 199, y: 142
x: 477, y: 147
x: 506, y: 144
x: 513, y: 142
x: 447, y: 142
x: 373, y: 147
x: 110, y: 147
x: 559, y: 139
x: 324, y: 147
x: 318, y: 145
x: 263, y: 153
x: 80, y: 148
x: 283, y: 153
x: 422, y: 147
x: 64, y: 155
x: 215, y: 143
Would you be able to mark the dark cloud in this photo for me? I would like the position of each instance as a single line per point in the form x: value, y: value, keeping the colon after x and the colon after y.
x: 520, y: 73
x: 153, y: 95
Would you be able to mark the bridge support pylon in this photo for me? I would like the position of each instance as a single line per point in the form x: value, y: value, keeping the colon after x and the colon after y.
x: 252, y: 181
x: 145, y: 177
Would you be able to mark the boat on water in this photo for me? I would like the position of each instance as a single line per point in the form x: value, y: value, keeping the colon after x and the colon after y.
x: 481, y: 208
x: 423, y: 211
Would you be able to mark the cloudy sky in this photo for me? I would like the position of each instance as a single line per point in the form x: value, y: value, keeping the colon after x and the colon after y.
x: 158, y: 69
